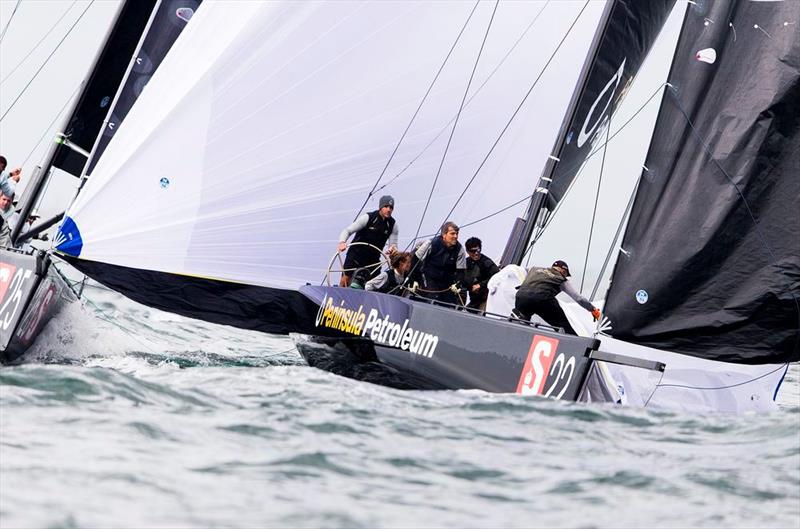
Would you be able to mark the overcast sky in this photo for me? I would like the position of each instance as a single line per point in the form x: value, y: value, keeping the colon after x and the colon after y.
x: 32, y: 114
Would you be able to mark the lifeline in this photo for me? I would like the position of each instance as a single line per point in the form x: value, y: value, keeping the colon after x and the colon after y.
x: 381, y: 331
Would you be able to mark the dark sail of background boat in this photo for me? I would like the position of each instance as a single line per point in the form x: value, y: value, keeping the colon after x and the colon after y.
x: 103, y: 82
x: 710, y: 263
x: 169, y: 20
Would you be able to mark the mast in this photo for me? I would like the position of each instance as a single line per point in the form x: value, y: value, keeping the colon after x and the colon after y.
x: 82, y: 122
x: 539, y: 196
x: 624, y: 37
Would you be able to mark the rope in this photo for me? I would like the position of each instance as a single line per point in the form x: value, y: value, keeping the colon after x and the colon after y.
x: 10, y: 18
x: 50, y: 126
x: 596, y: 200
x: 455, y: 124
x: 46, y: 60
x: 616, y: 236
x: 519, y: 107
x: 580, y: 166
x: 424, y: 98
x: 14, y: 69
x: 473, y: 96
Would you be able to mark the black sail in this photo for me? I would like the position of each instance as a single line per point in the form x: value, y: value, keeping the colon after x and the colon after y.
x: 710, y: 262
x: 169, y: 20
x: 625, y: 35
x: 630, y: 32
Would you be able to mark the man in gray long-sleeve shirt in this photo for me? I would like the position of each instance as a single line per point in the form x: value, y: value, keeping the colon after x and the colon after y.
x: 537, y: 295
x: 8, y: 180
x: 376, y: 228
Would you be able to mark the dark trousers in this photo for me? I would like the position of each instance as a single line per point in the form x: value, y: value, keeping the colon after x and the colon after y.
x: 529, y: 302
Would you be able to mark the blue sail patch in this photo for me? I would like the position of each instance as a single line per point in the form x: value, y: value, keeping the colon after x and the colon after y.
x: 68, y: 239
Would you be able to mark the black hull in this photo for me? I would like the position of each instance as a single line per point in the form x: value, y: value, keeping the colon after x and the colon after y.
x: 409, y: 344
x: 31, y: 293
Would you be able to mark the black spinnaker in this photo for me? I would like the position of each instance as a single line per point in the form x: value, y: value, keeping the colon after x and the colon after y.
x: 710, y: 262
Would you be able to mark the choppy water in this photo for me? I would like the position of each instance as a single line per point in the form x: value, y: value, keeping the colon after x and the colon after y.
x: 128, y: 417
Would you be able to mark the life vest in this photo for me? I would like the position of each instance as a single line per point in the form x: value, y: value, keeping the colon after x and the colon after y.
x: 546, y: 282
x: 439, y: 267
x: 377, y: 230
x: 390, y: 284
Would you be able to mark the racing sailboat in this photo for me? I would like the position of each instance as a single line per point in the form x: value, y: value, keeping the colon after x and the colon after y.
x: 269, y: 125
x: 31, y: 290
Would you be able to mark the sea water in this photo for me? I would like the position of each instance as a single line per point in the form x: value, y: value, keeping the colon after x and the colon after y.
x: 123, y: 416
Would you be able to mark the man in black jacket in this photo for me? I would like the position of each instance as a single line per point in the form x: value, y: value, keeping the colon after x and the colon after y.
x: 375, y: 228
x: 537, y: 295
x: 479, y: 270
x: 442, y: 266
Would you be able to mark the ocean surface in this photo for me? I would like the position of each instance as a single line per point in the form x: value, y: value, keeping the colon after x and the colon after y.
x: 123, y: 416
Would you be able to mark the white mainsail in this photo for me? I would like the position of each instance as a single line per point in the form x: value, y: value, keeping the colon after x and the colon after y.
x: 267, y: 125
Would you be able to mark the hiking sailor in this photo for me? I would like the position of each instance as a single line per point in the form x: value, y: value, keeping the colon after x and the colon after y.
x: 389, y: 281
x: 479, y: 270
x: 8, y: 219
x: 8, y: 180
x: 537, y: 295
x: 443, y: 264
x: 375, y: 228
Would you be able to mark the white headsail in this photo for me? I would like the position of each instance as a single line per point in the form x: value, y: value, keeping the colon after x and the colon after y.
x: 268, y: 124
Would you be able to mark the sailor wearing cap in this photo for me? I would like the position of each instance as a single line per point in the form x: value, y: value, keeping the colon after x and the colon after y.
x: 375, y: 228
x: 537, y: 295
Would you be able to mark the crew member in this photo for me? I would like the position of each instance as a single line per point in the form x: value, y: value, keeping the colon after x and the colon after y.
x: 375, y: 228
x: 537, y: 295
x: 390, y: 280
x: 443, y: 263
x: 8, y: 181
x: 8, y: 219
x: 479, y: 270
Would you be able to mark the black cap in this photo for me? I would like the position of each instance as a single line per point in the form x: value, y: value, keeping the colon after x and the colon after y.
x: 563, y: 265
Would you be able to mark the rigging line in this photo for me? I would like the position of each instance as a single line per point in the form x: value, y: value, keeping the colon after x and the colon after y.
x: 581, y: 165
x: 50, y: 126
x: 473, y: 96
x: 757, y: 227
x: 616, y: 236
x: 10, y: 18
x: 455, y: 124
x: 14, y: 69
x: 416, y: 112
x: 596, y: 200
x: 519, y: 107
x: 47, y: 60
x: 782, y: 366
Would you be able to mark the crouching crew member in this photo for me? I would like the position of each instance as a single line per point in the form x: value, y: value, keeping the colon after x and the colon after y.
x: 480, y: 270
x: 389, y: 281
x: 376, y: 228
x: 537, y: 295
x: 443, y: 263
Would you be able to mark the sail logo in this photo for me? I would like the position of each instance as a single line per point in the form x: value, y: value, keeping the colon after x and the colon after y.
x: 537, y: 365
x: 382, y: 331
x: 642, y: 297
x: 612, y: 85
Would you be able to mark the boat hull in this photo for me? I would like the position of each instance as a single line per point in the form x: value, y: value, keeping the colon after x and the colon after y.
x: 31, y: 293
x: 413, y: 344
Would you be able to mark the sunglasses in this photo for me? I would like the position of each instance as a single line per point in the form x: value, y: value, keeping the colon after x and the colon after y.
x: 474, y: 250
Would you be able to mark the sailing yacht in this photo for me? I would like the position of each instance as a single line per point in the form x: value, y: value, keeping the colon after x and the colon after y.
x: 267, y: 127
